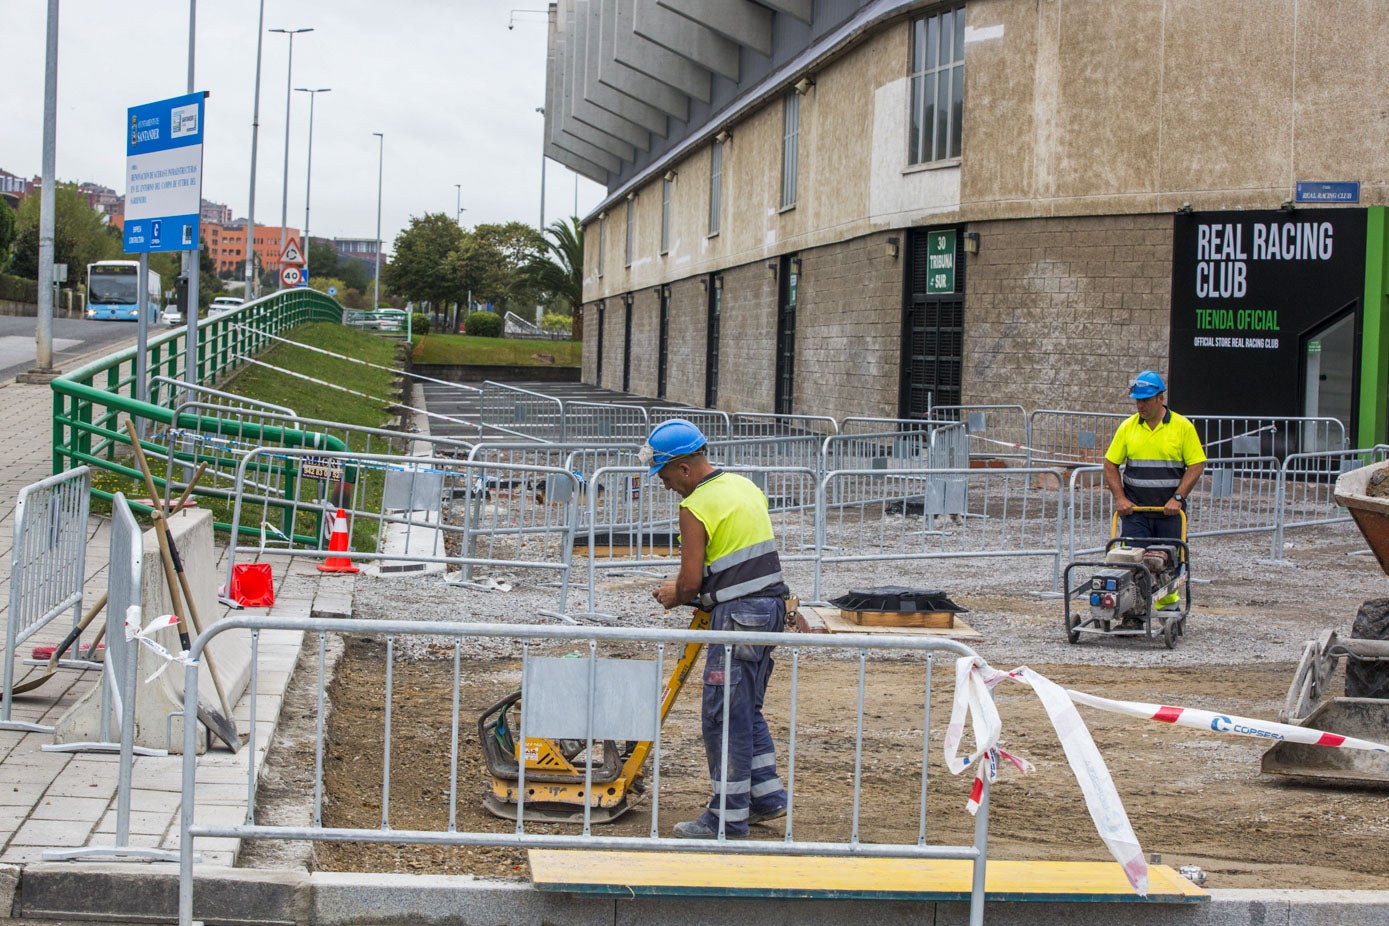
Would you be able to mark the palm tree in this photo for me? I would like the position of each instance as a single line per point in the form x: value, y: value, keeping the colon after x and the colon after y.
x: 562, y: 272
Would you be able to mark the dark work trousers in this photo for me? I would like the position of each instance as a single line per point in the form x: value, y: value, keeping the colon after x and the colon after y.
x: 1151, y: 526
x: 753, y: 786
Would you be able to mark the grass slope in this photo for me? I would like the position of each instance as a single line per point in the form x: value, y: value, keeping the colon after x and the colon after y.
x: 462, y: 349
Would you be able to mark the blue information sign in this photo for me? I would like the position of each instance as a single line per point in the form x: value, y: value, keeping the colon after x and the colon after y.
x: 164, y: 175
x: 1338, y: 191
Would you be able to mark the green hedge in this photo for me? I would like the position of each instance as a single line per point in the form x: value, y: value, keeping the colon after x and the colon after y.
x: 483, y: 325
x: 419, y: 323
x: 18, y: 289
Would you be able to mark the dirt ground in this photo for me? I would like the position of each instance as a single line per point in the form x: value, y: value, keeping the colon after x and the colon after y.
x: 1194, y: 798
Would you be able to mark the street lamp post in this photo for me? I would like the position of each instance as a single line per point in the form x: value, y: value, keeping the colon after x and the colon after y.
x: 458, y: 209
x: 308, y: 173
x: 541, y: 110
x: 380, y: 164
x: 289, y: 86
x: 43, y: 330
x: 255, y: 139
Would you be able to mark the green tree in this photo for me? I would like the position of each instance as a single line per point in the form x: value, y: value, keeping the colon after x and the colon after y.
x: 80, y: 235
x: 355, y: 274
x: 421, y: 269
x: 517, y: 246
x: 8, y: 230
x: 323, y: 259
x: 561, y: 271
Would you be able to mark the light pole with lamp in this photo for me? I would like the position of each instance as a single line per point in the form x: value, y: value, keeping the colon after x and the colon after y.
x: 289, y: 86
x: 380, y: 165
x: 458, y: 208
x: 308, y: 173
x: 252, y: 284
x: 541, y: 110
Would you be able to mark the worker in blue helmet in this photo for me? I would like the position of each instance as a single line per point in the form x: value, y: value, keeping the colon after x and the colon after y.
x: 1162, y: 460
x: 730, y: 568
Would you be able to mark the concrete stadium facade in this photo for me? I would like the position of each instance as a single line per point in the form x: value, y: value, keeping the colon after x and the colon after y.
x: 1093, y: 175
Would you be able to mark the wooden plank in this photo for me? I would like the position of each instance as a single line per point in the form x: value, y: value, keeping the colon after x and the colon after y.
x: 939, y: 620
x: 837, y: 623
x: 820, y: 877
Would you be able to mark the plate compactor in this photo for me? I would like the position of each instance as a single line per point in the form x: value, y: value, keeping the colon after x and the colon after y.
x: 556, y: 769
x: 1140, y: 588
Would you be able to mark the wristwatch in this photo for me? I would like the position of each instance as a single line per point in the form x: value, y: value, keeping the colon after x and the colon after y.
x: 1179, y: 496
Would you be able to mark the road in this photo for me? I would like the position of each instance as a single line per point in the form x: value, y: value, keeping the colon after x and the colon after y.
x: 72, y: 337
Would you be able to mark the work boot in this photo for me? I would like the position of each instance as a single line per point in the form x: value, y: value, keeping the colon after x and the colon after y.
x: 762, y: 816
x: 698, y: 829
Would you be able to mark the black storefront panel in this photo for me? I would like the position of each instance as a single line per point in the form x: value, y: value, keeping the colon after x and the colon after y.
x: 1248, y: 288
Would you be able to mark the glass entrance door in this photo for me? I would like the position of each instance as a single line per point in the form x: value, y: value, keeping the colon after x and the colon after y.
x: 1328, y: 362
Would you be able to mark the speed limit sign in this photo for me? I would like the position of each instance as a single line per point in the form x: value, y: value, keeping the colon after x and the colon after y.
x: 290, y: 276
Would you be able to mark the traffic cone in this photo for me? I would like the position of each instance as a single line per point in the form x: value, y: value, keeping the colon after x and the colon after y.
x: 337, y: 543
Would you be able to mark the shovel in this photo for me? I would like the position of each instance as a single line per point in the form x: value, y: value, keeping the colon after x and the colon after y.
x: 52, y: 668
x: 217, y: 724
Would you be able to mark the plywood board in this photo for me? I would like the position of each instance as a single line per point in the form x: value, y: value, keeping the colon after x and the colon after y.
x: 837, y: 623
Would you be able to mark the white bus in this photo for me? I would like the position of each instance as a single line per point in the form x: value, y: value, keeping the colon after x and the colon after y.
x: 113, y: 288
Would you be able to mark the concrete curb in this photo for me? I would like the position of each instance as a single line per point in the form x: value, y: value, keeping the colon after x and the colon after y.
x: 149, y: 894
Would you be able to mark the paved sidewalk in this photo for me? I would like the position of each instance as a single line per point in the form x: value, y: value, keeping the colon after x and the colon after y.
x: 67, y: 800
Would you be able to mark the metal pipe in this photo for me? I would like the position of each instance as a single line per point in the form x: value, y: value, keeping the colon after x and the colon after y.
x: 252, y: 284
x: 380, y: 164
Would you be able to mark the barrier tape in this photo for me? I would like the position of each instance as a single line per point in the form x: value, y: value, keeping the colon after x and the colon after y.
x: 973, y: 700
x: 134, y: 632
x: 358, y: 360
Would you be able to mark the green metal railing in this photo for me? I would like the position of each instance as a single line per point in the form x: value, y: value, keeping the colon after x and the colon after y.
x: 90, y: 404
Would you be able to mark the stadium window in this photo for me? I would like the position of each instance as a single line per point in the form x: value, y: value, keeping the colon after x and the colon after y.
x: 937, y: 86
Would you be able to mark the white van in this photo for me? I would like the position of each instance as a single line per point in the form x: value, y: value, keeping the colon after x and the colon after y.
x: 223, y: 304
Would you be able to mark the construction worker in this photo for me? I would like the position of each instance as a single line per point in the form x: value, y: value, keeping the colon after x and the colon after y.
x: 730, y: 568
x: 1162, y: 459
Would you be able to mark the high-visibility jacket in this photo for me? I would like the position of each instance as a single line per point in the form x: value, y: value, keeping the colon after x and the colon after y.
x: 740, y: 558
x: 1154, y: 459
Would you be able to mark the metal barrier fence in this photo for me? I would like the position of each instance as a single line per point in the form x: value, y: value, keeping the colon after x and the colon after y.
x: 902, y: 514
x: 605, y: 421
x: 615, y: 699
x: 1228, y: 436
x: 998, y: 431
x: 89, y: 404
x: 223, y: 447
x: 119, y: 689
x: 746, y: 425
x: 1306, y: 488
x: 1063, y: 438
x: 168, y: 393
x: 520, y: 412
x: 928, y: 444
x: 715, y: 424
x: 431, y: 510
x: 48, y: 560
x: 631, y: 523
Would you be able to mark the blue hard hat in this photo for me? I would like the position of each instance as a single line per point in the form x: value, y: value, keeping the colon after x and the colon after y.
x: 1146, y: 385
x: 670, y: 439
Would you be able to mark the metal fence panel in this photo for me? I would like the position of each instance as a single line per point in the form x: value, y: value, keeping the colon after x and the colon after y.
x: 903, y: 787
x: 1228, y: 436
x: 1063, y: 438
x: 714, y: 424
x: 758, y: 424
x: 900, y: 514
x: 48, y: 563
x: 497, y: 517
x: 605, y: 421
x: 998, y: 431
x: 520, y: 412
x: 1306, y: 488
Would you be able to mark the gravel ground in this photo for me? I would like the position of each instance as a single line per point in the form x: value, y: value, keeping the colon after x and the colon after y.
x: 1246, y: 608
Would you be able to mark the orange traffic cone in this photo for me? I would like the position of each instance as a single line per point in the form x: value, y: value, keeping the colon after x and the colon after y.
x: 337, y: 543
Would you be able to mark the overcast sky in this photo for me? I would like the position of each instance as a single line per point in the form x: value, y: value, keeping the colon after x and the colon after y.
x: 451, y: 87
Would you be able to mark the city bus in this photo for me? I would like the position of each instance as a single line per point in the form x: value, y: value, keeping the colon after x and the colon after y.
x: 112, y: 290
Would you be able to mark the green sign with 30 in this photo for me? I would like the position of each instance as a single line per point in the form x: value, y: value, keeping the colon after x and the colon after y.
x: 940, y: 262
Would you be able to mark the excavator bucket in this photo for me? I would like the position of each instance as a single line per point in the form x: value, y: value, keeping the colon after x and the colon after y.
x: 1364, y: 718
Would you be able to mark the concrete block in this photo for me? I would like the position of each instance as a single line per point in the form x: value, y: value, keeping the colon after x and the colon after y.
x: 9, y: 887
x: 348, y: 899
x: 191, y: 532
x: 149, y: 893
